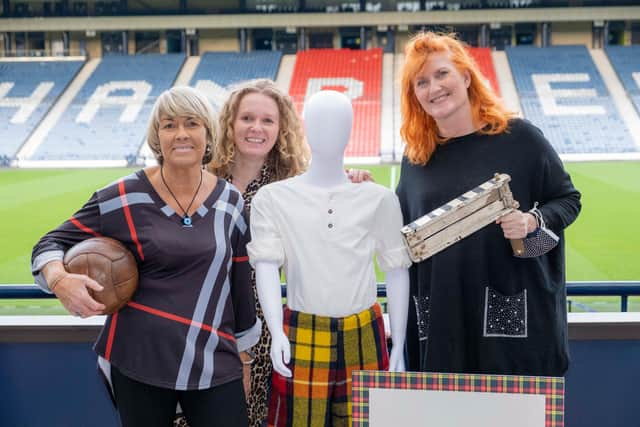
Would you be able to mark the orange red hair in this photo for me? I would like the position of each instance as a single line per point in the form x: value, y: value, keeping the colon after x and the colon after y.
x: 419, y: 130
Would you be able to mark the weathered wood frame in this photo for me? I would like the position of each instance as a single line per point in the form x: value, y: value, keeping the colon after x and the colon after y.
x: 461, y: 217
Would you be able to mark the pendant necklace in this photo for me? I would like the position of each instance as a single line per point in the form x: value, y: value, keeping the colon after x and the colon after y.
x: 186, y: 219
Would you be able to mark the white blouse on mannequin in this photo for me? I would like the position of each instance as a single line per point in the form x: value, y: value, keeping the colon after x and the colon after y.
x: 339, y: 255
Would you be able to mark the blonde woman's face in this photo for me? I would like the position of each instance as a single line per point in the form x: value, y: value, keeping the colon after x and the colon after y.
x: 256, y: 126
x: 183, y: 140
x: 441, y: 89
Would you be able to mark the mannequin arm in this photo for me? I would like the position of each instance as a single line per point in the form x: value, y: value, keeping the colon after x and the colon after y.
x: 269, y: 294
x: 398, y: 306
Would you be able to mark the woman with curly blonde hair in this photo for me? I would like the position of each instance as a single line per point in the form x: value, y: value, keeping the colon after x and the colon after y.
x: 283, y: 151
x: 476, y: 307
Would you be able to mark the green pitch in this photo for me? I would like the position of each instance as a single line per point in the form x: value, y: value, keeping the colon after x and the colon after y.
x: 601, y: 244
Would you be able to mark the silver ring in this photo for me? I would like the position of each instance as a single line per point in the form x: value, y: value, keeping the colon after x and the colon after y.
x: 78, y: 314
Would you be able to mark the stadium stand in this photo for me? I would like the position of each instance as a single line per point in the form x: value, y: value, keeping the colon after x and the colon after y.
x: 108, y: 118
x: 28, y: 89
x: 482, y: 55
x: 626, y: 62
x: 219, y: 70
x: 562, y: 92
x: 357, y: 73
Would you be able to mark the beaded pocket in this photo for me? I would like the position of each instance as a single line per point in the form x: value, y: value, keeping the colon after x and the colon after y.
x: 505, y: 315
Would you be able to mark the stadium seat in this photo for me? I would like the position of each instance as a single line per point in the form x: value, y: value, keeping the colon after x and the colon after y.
x: 28, y: 89
x: 217, y: 71
x: 562, y: 92
x: 626, y: 62
x: 107, y: 119
x: 357, y: 73
x: 483, y: 58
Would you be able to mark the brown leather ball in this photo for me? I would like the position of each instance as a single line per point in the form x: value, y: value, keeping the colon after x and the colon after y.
x: 111, y: 264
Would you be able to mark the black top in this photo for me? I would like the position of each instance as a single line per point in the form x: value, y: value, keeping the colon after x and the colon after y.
x: 475, y: 308
x: 194, y: 296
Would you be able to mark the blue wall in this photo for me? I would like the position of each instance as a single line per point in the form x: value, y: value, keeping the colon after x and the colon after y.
x: 52, y: 384
x: 57, y: 384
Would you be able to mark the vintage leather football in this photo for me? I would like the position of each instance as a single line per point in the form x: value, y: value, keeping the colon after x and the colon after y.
x: 111, y: 264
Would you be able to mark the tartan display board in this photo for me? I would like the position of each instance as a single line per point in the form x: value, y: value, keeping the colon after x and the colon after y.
x: 551, y: 387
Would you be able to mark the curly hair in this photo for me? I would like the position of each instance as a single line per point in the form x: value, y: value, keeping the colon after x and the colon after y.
x: 419, y: 130
x: 182, y: 101
x: 289, y: 156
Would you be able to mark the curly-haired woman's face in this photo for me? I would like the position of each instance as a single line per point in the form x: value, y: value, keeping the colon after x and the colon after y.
x: 256, y: 126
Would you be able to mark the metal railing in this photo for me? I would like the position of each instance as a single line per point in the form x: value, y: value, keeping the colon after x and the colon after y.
x: 622, y: 289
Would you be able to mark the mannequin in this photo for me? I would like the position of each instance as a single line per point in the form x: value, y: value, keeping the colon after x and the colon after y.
x: 369, y: 215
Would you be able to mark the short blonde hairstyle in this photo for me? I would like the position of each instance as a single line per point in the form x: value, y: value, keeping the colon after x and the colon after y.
x: 419, y: 130
x: 289, y: 156
x: 182, y: 101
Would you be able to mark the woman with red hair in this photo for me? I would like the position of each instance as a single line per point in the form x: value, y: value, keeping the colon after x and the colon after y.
x: 476, y: 308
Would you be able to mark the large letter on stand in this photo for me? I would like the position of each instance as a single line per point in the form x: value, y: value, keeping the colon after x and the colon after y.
x: 102, y: 96
x: 26, y: 105
x: 636, y: 78
x: 217, y: 94
x: 548, y: 96
x: 353, y: 88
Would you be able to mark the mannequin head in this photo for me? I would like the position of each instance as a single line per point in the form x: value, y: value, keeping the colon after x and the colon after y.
x: 328, y: 117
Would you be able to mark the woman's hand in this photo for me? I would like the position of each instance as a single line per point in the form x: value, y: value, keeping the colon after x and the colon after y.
x: 517, y: 224
x: 247, y: 361
x: 73, y: 290
x: 357, y: 176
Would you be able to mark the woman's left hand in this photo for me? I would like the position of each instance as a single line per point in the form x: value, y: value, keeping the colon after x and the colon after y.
x: 517, y: 224
x: 357, y: 176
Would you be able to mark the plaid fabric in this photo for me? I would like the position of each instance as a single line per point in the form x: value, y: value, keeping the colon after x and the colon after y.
x: 324, y: 353
x: 551, y: 387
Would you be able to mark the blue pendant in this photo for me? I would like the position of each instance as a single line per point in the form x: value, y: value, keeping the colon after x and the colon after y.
x: 186, y: 221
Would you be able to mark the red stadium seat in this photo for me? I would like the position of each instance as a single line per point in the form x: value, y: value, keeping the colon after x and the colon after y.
x: 482, y: 55
x: 357, y: 73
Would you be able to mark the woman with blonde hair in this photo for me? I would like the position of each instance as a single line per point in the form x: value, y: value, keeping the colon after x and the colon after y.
x: 261, y: 141
x: 177, y: 341
x: 476, y: 308
x: 260, y: 129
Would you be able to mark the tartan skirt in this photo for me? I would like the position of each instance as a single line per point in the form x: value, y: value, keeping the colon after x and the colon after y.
x: 324, y: 353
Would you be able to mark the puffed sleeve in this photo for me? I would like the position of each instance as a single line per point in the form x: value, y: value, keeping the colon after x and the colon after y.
x: 390, y: 250
x: 266, y: 242
x: 84, y: 224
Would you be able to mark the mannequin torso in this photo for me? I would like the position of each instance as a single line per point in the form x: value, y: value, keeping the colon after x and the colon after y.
x: 344, y: 232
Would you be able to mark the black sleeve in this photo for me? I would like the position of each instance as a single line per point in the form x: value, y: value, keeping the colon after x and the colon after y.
x: 560, y: 202
x: 241, y: 289
x: 84, y: 224
x: 401, y: 192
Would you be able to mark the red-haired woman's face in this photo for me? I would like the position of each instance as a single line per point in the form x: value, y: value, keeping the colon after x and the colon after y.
x: 441, y: 89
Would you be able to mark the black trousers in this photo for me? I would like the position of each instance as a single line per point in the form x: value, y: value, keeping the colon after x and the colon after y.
x: 141, y: 405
